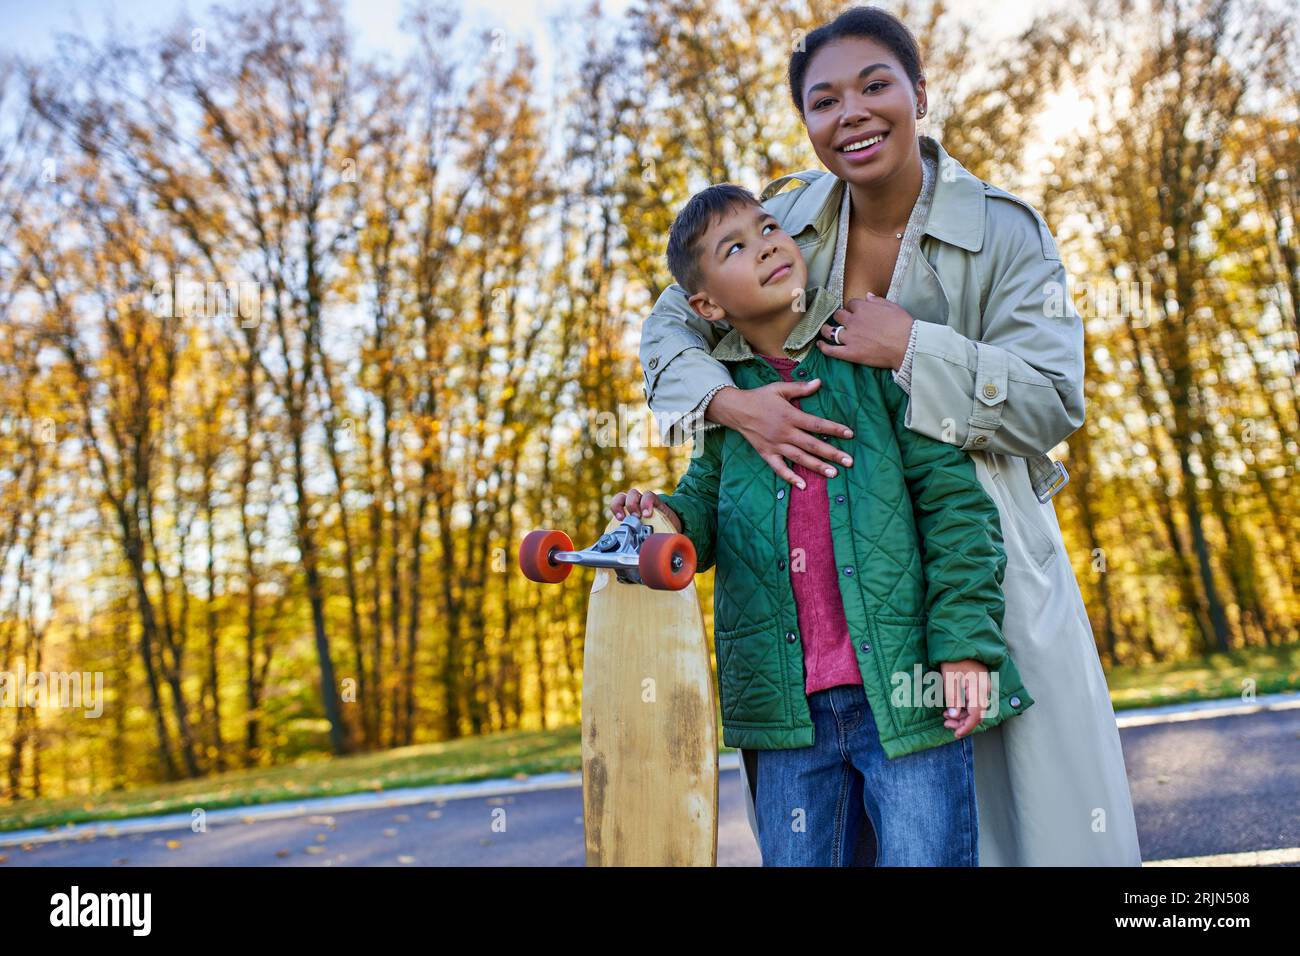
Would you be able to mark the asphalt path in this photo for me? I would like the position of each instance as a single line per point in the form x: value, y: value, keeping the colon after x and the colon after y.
x: 1206, y: 782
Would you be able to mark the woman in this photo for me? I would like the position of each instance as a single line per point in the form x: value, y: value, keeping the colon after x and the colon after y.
x: 956, y: 286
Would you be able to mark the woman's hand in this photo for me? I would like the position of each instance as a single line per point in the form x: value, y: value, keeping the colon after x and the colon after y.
x: 778, y: 430
x: 965, y: 695
x: 874, y: 333
x: 633, y: 500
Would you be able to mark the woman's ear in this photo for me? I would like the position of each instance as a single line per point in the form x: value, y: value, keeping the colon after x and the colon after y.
x: 922, y: 98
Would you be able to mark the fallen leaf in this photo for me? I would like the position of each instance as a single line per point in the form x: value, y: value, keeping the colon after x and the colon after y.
x: 173, y: 844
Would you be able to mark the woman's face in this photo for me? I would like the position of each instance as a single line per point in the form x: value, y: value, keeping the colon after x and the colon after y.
x: 855, y: 91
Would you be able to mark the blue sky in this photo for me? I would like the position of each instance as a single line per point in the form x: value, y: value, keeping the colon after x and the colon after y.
x: 30, y: 26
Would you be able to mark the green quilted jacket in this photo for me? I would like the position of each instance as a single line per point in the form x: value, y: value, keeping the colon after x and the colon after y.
x: 916, y: 539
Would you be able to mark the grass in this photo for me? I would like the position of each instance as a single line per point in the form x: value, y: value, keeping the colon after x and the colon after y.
x: 518, y: 754
x: 521, y: 754
x: 1216, y: 677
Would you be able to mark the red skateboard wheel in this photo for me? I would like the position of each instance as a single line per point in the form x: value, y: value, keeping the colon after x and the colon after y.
x: 656, y: 562
x: 535, y: 556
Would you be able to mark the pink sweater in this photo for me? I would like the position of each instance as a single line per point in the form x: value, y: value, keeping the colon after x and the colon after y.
x: 827, y: 647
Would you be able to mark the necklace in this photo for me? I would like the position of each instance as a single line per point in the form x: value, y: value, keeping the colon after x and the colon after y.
x: 915, y: 224
x: 883, y: 235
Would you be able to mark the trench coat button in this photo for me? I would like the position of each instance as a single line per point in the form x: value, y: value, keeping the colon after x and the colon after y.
x: 1015, y: 701
x: 654, y: 362
x: 849, y: 572
x: 780, y: 493
x: 790, y: 636
x: 990, y: 390
x: 839, y: 499
x: 981, y: 439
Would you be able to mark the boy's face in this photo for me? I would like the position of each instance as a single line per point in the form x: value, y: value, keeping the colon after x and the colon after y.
x: 752, y: 267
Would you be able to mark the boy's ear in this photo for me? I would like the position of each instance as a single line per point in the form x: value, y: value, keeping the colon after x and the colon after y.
x: 705, y: 307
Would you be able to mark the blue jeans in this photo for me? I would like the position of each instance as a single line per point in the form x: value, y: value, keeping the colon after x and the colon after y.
x: 809, y: 801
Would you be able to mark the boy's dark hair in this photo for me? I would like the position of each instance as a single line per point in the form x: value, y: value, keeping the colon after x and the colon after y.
x: 870, y: 22
x: 690, y: 225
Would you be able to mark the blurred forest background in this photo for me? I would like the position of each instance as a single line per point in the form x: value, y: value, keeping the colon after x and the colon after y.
x: 280, y: 513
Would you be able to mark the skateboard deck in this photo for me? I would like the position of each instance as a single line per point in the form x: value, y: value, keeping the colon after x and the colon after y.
x: 649, y: 706
x: 649, y: 727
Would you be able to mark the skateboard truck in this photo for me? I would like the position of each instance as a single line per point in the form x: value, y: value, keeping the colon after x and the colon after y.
x: 619, y: 549
x: 636, y: 554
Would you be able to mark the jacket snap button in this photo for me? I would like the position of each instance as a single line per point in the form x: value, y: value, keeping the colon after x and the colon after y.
x: 780, y: 564
x: 1015, y: 701
x: 781, y: 493
x: 654, y: 362
x: 789, y: 636
x: 866, y: 646
x: 839, y: 499
x: 990, y: 389
x: 981, y: 439
x: 848, y: 571
x: 802, y: 373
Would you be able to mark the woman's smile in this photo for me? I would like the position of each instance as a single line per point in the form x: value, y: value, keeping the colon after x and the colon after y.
x: 861, y: 147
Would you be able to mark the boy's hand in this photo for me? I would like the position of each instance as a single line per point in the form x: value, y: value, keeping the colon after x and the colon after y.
x: 633, y: 500
x: 965, y: 694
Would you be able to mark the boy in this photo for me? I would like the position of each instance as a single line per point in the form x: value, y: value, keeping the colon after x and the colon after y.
x: 826, y: 668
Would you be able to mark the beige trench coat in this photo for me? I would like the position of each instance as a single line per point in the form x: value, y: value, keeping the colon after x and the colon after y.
x: 998, y: 371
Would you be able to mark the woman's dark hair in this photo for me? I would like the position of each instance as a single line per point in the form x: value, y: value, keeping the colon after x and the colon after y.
x: 870, y: 22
